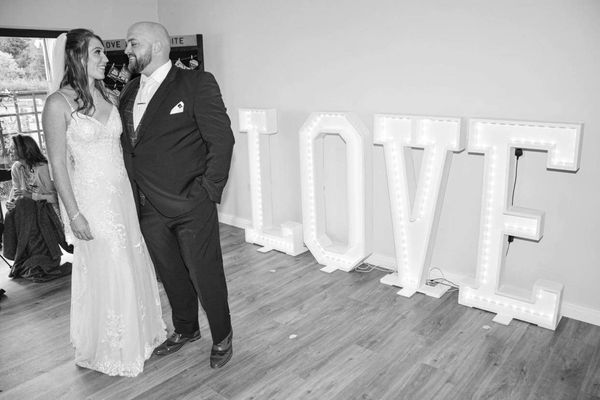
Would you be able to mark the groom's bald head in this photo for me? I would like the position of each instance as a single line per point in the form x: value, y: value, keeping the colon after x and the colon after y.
x: 154, y: 44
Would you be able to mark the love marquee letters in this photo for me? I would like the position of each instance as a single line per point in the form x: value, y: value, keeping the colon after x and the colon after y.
x: 497, y: 140
x: 414, y: 230
x: 357, y: 138
x: 414, y: 227
x: 288, y: 237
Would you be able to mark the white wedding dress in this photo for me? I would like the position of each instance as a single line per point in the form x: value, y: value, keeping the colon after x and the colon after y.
x: 116, y: 318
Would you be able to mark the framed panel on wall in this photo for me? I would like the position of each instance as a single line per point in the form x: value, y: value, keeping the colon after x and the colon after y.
x: 186, y: 52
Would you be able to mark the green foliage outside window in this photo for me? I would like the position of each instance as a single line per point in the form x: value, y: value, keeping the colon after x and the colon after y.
x: 21, y: 64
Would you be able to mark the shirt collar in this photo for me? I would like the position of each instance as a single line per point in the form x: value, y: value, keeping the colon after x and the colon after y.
x: 159, y: 74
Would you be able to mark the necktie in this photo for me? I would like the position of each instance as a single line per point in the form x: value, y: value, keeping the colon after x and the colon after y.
x: 143, y: 98
x: 141, y: 102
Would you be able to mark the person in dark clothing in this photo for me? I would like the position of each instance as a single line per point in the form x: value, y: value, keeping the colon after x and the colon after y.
x: 177, y: 146
x: 33, y: 231
x: 33, y: 236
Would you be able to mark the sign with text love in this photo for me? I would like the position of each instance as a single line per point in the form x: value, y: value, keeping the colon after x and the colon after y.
x: 415, y: 229
x: 176, y: 41
x: 497, y: 140
x: 357, y: 138
x: 288, y: 237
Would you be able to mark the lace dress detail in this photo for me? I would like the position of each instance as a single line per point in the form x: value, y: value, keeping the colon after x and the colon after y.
x: 116, y: 317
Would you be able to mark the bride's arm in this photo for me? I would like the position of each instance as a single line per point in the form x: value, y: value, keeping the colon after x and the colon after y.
x: 54, y: 120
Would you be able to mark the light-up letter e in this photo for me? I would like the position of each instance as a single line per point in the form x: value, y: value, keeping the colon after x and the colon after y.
x: 358, y: 160
x: 288, y: 237
x: 414, y: 230
x: 497, y: 140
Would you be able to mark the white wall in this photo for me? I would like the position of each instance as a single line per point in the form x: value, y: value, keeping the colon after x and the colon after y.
x: 108, y: 18
x: 519, y: 59
x: 516, y: 59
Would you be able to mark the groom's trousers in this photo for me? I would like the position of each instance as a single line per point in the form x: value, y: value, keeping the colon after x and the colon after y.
x: 186, y: 251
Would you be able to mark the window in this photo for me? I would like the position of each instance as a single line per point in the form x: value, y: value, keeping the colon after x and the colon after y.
x: 24, y: 74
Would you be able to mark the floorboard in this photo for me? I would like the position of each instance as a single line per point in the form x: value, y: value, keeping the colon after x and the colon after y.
x: 300, y: 333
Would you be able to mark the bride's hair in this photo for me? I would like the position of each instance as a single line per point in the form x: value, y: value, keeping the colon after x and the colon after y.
x: 76, y: 74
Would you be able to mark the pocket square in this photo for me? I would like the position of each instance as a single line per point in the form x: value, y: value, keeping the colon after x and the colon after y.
x: 177, y: 109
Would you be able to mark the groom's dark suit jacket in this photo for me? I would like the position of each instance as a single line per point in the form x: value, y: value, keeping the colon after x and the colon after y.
x: 179, y: 159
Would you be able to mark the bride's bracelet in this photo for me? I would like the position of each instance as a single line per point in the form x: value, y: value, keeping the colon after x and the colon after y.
x: 77, y: 214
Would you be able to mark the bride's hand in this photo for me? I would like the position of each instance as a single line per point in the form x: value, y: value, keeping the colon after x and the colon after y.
x: 81, y: 228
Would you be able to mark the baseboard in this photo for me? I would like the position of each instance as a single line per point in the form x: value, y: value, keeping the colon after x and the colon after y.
x: 382, y: 261
x: 581, y: 313
x: 233, y: 220
x: 569, y: 310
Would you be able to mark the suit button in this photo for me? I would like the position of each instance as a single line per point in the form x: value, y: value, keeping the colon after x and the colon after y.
x: 132, y: 155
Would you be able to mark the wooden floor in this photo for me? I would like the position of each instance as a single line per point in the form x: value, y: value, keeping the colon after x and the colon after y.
x: 300, y: 333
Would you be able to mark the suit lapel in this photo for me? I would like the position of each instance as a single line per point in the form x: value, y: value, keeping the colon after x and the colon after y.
x: 155, y: 103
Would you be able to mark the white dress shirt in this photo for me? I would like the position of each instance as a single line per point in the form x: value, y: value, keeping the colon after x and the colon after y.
x: 148, y: 86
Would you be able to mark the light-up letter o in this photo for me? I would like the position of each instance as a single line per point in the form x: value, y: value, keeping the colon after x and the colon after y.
x: 288, y: 237
x: 358, y: 160
x: 497, y: 141
x: 414, y: 231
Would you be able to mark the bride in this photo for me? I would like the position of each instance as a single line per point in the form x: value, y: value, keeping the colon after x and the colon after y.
x: 116, y: 319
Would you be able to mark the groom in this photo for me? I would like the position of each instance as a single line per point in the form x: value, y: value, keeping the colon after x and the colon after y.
x: 177, y: 144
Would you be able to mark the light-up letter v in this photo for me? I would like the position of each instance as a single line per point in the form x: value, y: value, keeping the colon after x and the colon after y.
x: 358, y: 160
x: 497, y: 140
x: 288, y: 237
x: 414, y: 230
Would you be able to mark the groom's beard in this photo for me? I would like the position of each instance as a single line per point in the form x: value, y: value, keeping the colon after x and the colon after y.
x: 138, y: 64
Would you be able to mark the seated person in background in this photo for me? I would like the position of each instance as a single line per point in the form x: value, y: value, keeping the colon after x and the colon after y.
x: 33, y: 230
x: 29, y: 172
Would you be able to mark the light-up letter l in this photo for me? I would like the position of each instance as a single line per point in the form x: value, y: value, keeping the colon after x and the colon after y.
x: 358, y: 160
x: 414, y: 230
x: 288, y: 237
x: 497, y: 140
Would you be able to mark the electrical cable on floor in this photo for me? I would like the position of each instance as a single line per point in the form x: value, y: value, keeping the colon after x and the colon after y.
x: 366, y: 267
x: 441, y: 281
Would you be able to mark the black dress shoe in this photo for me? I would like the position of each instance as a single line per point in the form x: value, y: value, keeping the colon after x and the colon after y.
x: 175, y: 342
x: 222, y: 352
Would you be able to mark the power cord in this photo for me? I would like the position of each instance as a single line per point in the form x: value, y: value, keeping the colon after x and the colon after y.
x: 366, y: 267
x: 441, y: 281
x: 518, y: 153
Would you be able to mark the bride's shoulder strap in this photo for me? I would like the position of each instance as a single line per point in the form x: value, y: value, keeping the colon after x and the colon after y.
x: 66, y: 99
